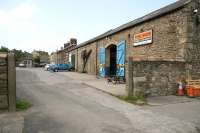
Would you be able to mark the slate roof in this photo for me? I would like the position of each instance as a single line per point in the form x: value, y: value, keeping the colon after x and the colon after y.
x: 160, y: 12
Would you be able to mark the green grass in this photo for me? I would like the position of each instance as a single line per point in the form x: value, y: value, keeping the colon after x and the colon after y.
x: 22, y: 105
x: 138, y: 100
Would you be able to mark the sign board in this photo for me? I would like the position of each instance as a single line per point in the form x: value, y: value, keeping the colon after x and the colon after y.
x: 143, y: 38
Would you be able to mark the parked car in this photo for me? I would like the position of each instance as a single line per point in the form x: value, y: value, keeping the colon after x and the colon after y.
x: 58, y: 67
x: 43, y: 64
x: 22, y: 65
x: 46, y: 67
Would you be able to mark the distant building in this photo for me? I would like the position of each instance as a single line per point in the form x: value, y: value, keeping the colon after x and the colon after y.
x: 43, y: 56
x: 62, y: 55
x: 28, y: 62
x: 53, y: 58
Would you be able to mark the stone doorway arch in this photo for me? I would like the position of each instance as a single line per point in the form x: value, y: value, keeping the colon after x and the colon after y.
x: 111, y: 54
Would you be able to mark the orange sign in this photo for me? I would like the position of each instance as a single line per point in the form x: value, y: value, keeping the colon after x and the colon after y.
x: 143, y: 38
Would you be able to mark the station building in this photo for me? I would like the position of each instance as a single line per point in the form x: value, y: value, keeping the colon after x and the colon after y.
x: 153, y: 52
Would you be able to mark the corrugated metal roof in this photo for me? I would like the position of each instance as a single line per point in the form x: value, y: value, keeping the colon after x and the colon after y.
x: 150, y: 16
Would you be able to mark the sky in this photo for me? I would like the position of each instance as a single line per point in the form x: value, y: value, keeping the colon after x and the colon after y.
x: 48, y: 24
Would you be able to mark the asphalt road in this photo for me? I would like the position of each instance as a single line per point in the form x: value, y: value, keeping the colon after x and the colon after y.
x: 62, y: 105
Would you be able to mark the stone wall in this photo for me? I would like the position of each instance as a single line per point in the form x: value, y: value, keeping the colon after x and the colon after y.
x: 192, y: 49
x: 90, y: 67
x: 7, y: 82
x: 169, y: 38
x: 157, y: 78
x: 3, y: 82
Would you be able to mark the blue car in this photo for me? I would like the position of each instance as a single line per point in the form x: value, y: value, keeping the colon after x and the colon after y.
x: 59, y: 67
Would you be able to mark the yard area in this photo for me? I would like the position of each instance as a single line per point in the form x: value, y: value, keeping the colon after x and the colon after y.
x: 62, y: 104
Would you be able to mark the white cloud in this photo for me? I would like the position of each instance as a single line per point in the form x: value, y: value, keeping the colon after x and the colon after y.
x: 18, y: 19
x: 47, y: 44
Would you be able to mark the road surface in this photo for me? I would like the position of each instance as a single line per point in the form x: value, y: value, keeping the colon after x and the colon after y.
x: 63, y: 105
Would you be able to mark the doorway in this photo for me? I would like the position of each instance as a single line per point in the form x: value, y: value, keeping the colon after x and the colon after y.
x: 111, y: 64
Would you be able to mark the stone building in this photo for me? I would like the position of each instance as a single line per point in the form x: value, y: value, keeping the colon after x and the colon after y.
x: 53, y: 58
x: 44, y: 56
x: 63, y: 55
x: 160, y: 48
x: 60, y: 56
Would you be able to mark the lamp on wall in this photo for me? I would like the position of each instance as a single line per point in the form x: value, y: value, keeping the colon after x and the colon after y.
x: 196, y: 17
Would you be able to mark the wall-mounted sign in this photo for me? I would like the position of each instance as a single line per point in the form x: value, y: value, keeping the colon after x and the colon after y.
x: 143, y: 38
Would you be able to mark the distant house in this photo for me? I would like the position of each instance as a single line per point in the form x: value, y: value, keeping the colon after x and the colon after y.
x: 63, y: 55
x: 28, y: 62
x: 42, y: 55
x: 53, y: 58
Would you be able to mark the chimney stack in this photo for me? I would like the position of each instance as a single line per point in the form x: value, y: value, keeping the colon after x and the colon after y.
x: 73, y: 41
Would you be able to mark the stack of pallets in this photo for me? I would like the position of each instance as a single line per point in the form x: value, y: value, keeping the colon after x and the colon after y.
x: 193, y: 88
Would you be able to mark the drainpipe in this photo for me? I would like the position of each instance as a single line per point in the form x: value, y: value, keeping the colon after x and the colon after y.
x: 77, y: 60
x: 96, y: 58
x: 130, y: 77
x: 129, y: 81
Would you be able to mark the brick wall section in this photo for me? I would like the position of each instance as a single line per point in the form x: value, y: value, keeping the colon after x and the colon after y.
x: 3, y: 82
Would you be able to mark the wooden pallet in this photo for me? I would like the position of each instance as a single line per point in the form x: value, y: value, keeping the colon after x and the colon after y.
x: 193, y: 88
x: 194, y: 83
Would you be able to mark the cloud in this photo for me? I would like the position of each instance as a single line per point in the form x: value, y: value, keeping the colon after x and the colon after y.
x: 19, y: 18
x: 48, y: 44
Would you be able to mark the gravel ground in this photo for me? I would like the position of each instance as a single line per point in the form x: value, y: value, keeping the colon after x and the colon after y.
x: 63, y: 105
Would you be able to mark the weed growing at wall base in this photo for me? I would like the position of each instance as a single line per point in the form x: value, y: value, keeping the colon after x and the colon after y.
x: 22, y: 105
x: 138, y: 100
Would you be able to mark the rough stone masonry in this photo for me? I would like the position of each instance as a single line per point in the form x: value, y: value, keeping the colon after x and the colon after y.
x: 7, y: 82
x: 3, y: 82
x: 172, y: 55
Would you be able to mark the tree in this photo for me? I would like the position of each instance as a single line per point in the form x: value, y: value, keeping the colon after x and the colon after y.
x: 19, y: 55
x: 37, y: 59
x: 85, y: 55
x: 4, y: 49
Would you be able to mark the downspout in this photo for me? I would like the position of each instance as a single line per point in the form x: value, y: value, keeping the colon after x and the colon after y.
x: 96, y: 58
x: 77, y: 60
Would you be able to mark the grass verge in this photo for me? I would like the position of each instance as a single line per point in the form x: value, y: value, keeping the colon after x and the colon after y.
x: 22, y: 105
x: 138, y: 100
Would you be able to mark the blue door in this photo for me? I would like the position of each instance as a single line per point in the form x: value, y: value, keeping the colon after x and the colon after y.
x: 121, y: 47
x: 102, y: 62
